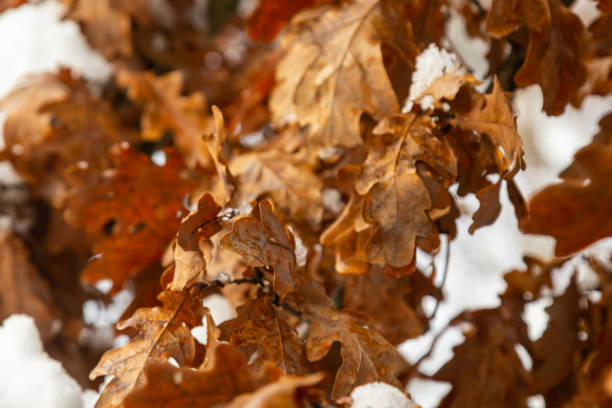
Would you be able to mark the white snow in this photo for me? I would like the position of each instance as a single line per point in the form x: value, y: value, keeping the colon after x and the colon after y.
x: 431, y: 64
x: 379, y: 395
x: 28, y: 376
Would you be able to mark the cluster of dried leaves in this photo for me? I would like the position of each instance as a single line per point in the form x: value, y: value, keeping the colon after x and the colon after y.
x: 280, y: 173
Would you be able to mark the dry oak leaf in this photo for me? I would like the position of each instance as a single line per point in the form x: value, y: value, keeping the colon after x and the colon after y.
x: 23, y: 290
x: 264, y: 242
x: 492, y: 116
x: 130, y: 212
x: 189, y: 262
x: 555, y: 59
x: 576, y: 211
x: 396, y: 199
x: 366, y: 355
x: 54, y: 121
x: 165, y: 109
x: 264, y: 331
x: 275, y: 173
x: 164, y: 332
x: 333, y: 70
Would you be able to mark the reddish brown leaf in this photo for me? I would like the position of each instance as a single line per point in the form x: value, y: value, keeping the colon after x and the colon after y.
x: 272, y: 15
x: 131, y: 212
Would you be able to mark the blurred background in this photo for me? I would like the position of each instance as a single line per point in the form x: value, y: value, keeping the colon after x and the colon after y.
x: 35, y: 39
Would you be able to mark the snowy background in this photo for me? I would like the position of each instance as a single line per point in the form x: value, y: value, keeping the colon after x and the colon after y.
x: 35, y: 40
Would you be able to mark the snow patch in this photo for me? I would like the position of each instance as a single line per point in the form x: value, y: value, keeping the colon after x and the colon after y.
x: 431, y: 64
x: 379, y: 395
x: 28, y: 376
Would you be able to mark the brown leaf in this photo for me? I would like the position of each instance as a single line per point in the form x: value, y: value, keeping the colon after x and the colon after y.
x: 485, y: 370
x: 556, y: 351
x: 333, y: 71
x: 395, y: 198
x: 54, y: 121
x: 555, y: 59
x: 265, y: 332
x: 23, y: 290
x: 165, y: 109
x: 106, y: 28
x: 576, y: 211
x: 283, y: 393
x: 164, y: 332
x: 505, y: 16
x: 130, y: 212
x: 281, y: 176
x: 264, y: 241
x: 214, y: 143
x: 492, y: 116
x: 396, y: 309
x: 189, y: 262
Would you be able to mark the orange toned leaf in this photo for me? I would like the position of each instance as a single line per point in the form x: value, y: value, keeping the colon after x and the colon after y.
x: 272, y: 15
x: 333, y: 70
x: 130, y: 212
x: 264, y: 241
x: 164, y: 332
